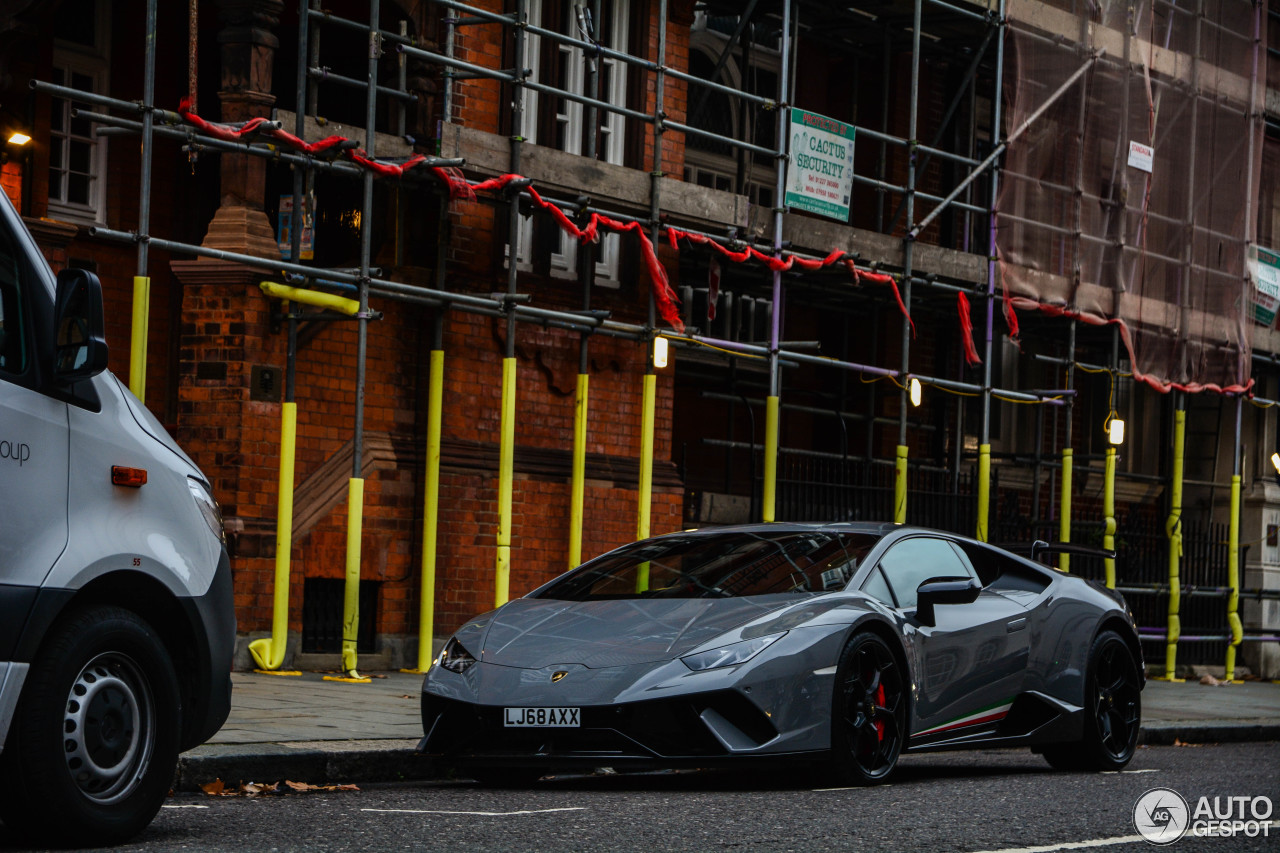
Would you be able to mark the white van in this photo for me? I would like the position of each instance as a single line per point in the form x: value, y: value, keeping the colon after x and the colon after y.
x: 117, y: 626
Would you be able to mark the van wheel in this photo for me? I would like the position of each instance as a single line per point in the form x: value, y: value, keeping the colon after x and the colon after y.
x: 94, y: 741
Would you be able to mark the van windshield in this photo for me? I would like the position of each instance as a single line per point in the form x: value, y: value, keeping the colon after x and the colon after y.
x: 719, y: 565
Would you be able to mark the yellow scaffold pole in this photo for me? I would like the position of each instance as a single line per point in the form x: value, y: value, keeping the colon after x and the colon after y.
x: 577, y: 489
x: 1109, y: 514
x: 1173, y: 528
x: 769, y: 509
x: 269, y: 654
x: 351, y: 589
x: 900, y: 486
x: 1064, y: 508
x: 138, y: 336
x: 1233, y: 556
x: 506, y: 476
x: 984, y: 492
x: 317, y: 298
x: 644, y: 498
x: 430, y: 511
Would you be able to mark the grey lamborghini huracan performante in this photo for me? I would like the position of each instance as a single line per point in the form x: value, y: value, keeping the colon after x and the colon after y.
x: 845, y: 644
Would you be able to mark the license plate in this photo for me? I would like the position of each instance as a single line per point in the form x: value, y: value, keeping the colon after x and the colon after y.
x: 561, y: 718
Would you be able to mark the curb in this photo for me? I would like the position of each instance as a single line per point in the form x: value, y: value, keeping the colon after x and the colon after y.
x: 394, y: 761
x: 1209, y: 731
x: 338, y: 763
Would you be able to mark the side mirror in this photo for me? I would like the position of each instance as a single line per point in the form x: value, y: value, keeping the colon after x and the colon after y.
x: 937, y: 591
x: 81, y: 344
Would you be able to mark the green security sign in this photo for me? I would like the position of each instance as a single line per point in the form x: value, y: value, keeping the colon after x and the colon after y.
x: 820, y: 165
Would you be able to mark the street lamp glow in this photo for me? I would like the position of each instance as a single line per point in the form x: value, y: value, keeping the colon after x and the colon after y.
x: 659, y: 352
x: 913, y: 390
x: 19, y: 138
x: 1115, y: 431
x: 1275, y: 462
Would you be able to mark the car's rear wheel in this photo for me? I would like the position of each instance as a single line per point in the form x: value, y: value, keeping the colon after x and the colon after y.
x: 1112, y: 711
x: 869, y: 715
x: 94, y: 739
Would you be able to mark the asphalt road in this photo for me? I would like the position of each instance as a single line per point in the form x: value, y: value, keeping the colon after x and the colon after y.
x: 981, y: 801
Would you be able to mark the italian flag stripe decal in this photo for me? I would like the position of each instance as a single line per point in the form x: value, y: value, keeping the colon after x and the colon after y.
x: 989, y: 714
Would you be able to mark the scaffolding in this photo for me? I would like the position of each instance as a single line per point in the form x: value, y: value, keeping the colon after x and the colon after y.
x: 786, y: 259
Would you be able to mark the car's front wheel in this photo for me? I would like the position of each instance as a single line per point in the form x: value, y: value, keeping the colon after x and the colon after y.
x: 869, y: 716
x: 94, y: 741
x: 1112, y: 711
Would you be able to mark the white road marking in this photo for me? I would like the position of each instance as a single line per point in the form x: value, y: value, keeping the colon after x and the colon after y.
x: 167, y: 806
x: 848, y: 788
x: 483, y: 814
x: 1072, y: 845
x: 1128, y: 772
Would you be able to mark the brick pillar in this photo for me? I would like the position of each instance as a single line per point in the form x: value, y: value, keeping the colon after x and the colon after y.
x: 247, y: 49
x: 226, y: 331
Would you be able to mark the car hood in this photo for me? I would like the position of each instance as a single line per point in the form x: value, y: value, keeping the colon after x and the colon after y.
x: 534, y: 633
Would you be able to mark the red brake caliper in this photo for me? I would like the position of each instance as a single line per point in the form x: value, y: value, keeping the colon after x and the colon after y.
x: 879, y: 724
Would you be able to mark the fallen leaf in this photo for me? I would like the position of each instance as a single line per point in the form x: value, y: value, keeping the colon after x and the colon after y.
x: 214, y: 788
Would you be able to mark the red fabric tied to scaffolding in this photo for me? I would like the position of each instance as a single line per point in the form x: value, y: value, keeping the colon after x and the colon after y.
x: 1130, y: 200
x: 966, y: 330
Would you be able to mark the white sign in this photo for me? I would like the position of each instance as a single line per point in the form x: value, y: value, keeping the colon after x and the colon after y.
x: 820, y: 168
x: 1140, y: 156
x: 1264, y: 269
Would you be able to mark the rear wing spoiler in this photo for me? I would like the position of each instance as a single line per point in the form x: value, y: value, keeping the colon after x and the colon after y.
x: 1040, y: 546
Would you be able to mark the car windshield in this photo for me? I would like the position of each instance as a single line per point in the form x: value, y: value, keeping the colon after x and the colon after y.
x: 720, y: 565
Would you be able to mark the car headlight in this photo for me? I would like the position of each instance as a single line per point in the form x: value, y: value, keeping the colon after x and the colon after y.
x: 730, y: 655
x: 455, y: 657
x: 208, y: 506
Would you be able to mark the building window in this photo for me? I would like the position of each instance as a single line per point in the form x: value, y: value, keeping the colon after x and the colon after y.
x: 77, y: 157
x: 564, y: 67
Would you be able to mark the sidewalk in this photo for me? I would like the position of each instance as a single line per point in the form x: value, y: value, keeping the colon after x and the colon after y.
x: 310, y: 730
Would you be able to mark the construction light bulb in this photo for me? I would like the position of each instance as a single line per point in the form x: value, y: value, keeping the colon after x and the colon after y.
x: 1275, y: 462
x: 1115, y: 431
x: 19, y: 138
x: 659, y: 352
x: 913, y: 390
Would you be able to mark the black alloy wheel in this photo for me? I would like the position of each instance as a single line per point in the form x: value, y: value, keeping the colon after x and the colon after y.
x: 1112, y: 711
x: 869, y: 717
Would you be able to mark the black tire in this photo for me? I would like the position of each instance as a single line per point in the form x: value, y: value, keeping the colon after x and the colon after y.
x: 1112, y: 711
x: 94, y: 740
x: 869, y: 712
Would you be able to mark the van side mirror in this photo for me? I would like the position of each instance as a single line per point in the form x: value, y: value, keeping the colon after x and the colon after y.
x: 949, y: 590
x: 81, y: 344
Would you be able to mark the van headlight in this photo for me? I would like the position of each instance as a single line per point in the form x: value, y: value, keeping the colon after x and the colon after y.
x: 730, y: 655
x: 208, y: 506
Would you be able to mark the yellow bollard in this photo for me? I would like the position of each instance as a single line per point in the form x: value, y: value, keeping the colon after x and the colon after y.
x: 1109, y: 513
x: 900, y: 486
x: 577, y: 490
x: 1173, y: 528
x: 506, y: 470
x: 269, y: 654
x: 1064, y: 508
x: 138, y: 336
x: 984, y: 492
x: 769, y: 509
x: 430, y: 511
x: 1233, y: 579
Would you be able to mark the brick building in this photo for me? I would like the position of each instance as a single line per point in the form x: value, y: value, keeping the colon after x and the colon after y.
x: 606, y: 112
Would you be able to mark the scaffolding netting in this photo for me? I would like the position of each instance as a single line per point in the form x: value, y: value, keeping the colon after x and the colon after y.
x: 1132, y: 198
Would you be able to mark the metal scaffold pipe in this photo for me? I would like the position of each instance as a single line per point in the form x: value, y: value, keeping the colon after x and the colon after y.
x: 141, y: 320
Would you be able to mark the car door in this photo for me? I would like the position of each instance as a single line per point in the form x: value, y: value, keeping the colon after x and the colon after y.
x: 33, y: 436
x: 971, y: 664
